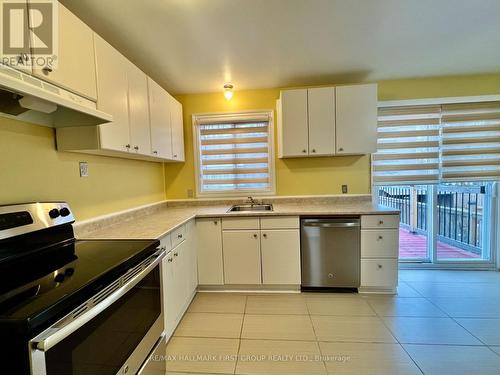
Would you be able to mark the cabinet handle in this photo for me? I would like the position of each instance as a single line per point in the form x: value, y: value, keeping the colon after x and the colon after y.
x: 255, y: 235
x: 216, y: 222
x: 175, y: 156
x: 304, y: 151
x: 136, y: 148
x: 380, y: 237
x: 176, y: 254
x: 127, y: 146
x: 163, y: 248
x: 179, y: 236
x: 46, y: 70
x: 341, y: 149
x: 381, y: 222
x: 170, y: 260
x: 155, y: 152
x: 379, y: 266
x: 264, y: 235
x: 313, y: 150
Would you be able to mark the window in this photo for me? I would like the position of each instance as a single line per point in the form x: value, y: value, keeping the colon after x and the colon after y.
x: 438, y: 143
x: 438, y: 164
x: 234, y: 153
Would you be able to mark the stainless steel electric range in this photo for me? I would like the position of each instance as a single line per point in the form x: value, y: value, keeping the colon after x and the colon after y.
x: 71, y: 306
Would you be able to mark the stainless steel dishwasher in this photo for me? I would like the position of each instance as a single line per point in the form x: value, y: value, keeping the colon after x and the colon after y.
x: 330, y: 251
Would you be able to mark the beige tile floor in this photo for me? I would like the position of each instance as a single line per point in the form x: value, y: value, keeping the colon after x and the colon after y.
x: 440, y: 322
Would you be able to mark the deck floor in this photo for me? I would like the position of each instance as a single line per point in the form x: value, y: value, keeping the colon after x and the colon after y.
x: 414, y: 246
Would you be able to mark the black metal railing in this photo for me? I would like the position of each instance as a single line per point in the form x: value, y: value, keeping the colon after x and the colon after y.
x: 459, y: 211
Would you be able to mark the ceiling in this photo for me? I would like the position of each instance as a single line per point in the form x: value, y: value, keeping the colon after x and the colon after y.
x: 194, y: 46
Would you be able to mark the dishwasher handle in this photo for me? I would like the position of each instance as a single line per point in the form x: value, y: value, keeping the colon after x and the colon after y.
x: 346, y: 224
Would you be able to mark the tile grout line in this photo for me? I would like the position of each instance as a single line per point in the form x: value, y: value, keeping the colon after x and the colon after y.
x: 454, y: 319
x: 241, y: 333
x: 398, y: 342
x: 315, y: 335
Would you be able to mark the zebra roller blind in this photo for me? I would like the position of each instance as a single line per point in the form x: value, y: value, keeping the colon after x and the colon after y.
x: 407, y: 145
x: 438, y: 143
x: 234, y: 153
x: 471, y: 141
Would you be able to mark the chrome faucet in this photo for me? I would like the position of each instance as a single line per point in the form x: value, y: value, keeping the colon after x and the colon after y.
x: 251, y: 201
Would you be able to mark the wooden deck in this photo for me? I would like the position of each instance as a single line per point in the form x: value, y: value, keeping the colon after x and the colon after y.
x: 414, y: 246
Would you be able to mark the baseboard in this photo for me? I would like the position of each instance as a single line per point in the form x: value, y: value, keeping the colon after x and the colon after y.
x: 250, y: 288
x: 377, y: 290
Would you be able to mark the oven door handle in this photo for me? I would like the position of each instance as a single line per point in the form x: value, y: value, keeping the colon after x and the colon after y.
x: 54, y: 335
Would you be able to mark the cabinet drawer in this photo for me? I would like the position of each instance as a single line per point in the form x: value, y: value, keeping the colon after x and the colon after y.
x: 240, y: 223
x: 166, y: 243
x: 178, y: 235
x: 379, y: 243
x: 379, y: 221
x: 382, y: 273
x: 283, y: 222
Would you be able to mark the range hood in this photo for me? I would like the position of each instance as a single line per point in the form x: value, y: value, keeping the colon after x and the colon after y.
x: 30, y: 99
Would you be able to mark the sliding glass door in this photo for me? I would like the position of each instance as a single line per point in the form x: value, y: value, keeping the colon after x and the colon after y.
x: 442, y: 223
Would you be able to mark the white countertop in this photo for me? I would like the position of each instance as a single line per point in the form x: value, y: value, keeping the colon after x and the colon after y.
x: 157, y: 223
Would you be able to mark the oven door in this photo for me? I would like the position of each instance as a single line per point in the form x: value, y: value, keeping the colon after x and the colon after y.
x: 114, y: 335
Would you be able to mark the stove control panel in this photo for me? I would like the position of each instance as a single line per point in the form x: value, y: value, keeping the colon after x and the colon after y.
x: 24, y: 218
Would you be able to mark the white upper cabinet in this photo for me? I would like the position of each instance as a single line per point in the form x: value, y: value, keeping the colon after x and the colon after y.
x: 321, y: 112
x: 327, y: 121
x: 293, y: 131
x: 177, y: 130
x: 75, y: 69
x: 21, y: 57
x: 356, y: 126
x: 140, y: 135
x: 159, y: 119
x: 112, y: 89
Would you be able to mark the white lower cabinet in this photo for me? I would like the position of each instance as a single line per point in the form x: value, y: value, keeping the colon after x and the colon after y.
x: 379, y: 273
x: 209, y: 251
x: 242, y: 264
x: 280, y: 256
x: 180, y: 280
x: 379, y: 253
x: 261, y: 251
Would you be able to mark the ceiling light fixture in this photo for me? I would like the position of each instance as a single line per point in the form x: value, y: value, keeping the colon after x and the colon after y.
x: 228, y: 91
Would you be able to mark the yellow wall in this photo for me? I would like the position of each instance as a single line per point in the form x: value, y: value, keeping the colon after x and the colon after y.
x: 314, y: 175
x: 31, y: 169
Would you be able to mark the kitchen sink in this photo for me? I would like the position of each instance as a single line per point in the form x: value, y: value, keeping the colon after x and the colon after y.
x: 251, y: 207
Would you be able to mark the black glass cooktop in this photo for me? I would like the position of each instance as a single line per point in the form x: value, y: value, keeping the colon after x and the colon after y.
x: 46, y: 286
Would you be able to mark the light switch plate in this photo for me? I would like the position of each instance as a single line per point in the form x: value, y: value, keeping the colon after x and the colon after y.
x: 84, y: 169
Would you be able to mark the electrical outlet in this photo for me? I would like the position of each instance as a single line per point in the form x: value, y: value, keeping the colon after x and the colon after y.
x: 84, y: 169
x: 190, y: 193
x: 344, y: 189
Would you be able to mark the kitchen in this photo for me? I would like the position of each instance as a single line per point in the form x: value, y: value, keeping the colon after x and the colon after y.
x: 216, y: 215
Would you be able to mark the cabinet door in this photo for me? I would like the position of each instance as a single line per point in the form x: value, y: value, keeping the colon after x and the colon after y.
x: 181, y: 276
x: 177, y: 130
x: 379, y: 273
x: 280, y: 256
x: 241, y: 257
x: 140, y: 135
x: 293, y: 129
x: 321, y: 112
x: 209, y: 248
x: 112, y: 95
x: 159, y: 112
x: 192, y: 267
x: 169, y: 293
x: 75, y: 69
x: 19, y: 59
x: 356, y: 119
